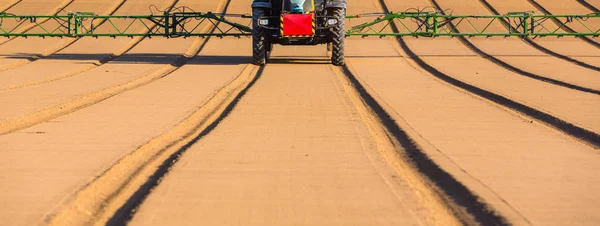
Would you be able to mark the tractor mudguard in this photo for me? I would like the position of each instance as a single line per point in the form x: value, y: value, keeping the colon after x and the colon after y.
x: 335, y: 4
x: 260, y: 4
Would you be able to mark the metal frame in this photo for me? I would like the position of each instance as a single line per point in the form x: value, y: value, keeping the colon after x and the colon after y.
x: 81, y: 24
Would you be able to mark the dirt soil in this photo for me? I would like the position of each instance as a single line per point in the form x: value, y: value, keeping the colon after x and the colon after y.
x: 186, y: 132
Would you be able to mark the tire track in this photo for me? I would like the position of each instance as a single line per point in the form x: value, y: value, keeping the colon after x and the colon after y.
x: 538, y: 46
x: 450, y: 125
x: 124, y: 185
x: 223, y: 104
x: 588, y: 5
x: 55, y: 12
x: 56, y: 49
x: 565, y: 27
x: 443, y: 211
x: 443, y: 193
x: 121, y: 181
x: 99, y: 96
x: 568, y: 128
x: 510, y: 67
x: 486, y: 195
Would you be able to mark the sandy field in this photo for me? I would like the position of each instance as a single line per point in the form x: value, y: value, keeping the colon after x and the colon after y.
x: 412, y: 131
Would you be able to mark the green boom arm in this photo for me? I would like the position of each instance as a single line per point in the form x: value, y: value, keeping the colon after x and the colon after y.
x: 428, y: 24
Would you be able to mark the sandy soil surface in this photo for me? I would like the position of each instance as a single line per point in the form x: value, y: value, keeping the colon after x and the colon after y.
x: 489, y: 144
x: 293, y: 152
x: 305, y: 160
x: 46, y: 180
x: 145, y: 57
x: 7, y: 4
x: 561, y: 7
x: 528, y: 58
x: 558, y: 101
x: 545, y: 178
x: 594, y: 3
x: 297, y: 147
x: 571, y: 47
x: 510, y: 170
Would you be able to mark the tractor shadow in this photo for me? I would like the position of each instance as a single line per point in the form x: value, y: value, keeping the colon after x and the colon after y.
x: 159, y: 58
x: 297, y: 60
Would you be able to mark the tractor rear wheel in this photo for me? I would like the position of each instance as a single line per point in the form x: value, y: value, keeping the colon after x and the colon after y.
x: 339, y: 36
x: 260, y: 44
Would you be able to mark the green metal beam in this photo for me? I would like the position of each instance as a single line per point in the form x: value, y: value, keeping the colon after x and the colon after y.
x: 88, y: 25
x: 428, y: 24
x: 523, y: 24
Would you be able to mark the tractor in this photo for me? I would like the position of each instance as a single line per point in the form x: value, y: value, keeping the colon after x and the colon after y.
x: 298, y: 22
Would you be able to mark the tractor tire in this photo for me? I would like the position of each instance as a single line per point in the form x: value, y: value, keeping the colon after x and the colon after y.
x: 339, y: 37
x: 259, y: 39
